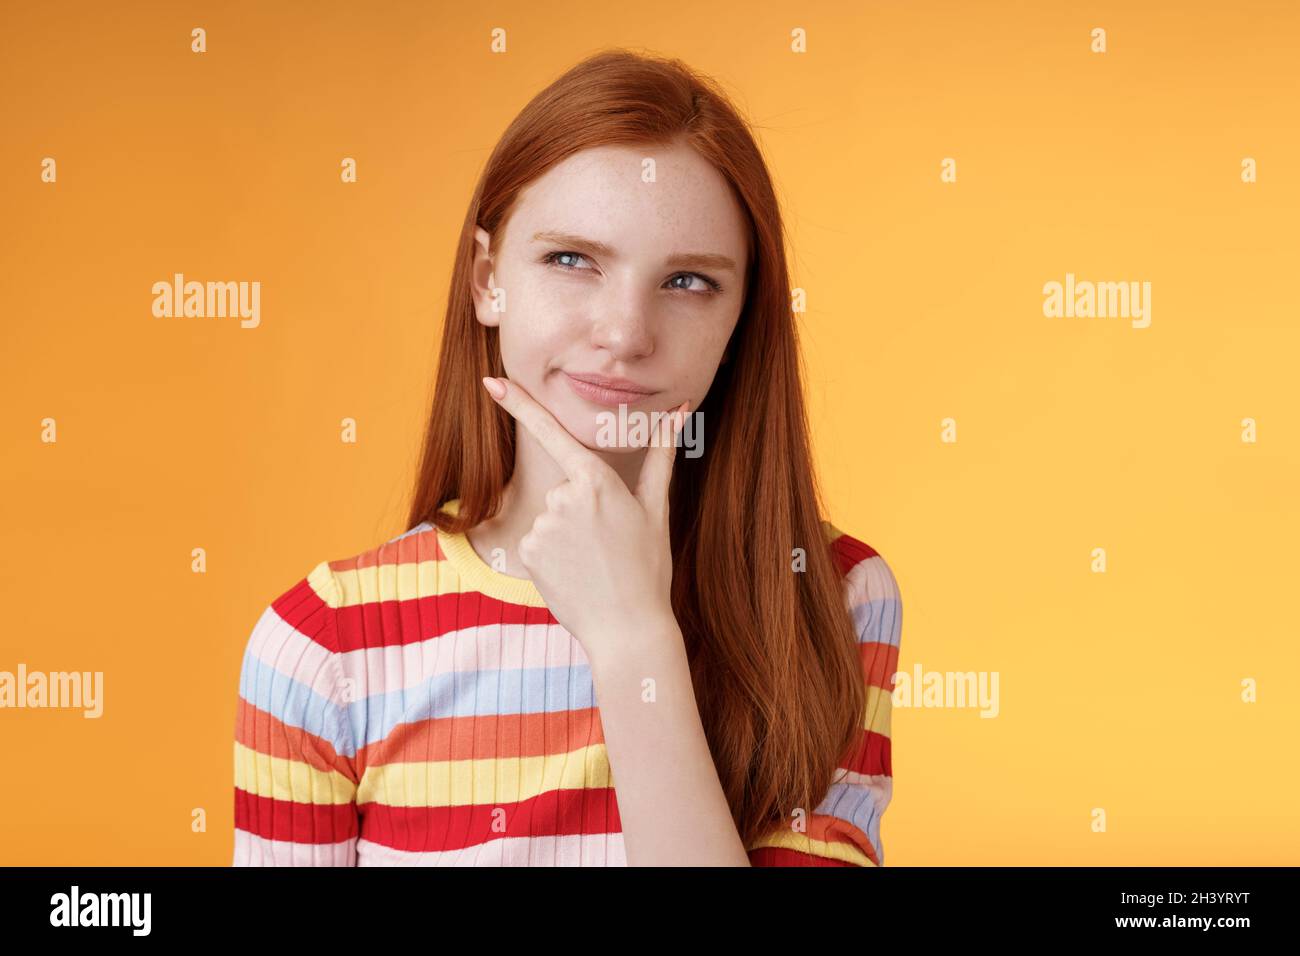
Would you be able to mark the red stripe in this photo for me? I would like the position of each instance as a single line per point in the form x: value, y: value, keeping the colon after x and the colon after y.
x: 849, y: 551
x: 485, y: 737
x: 873, y: 758
x: 267, y: 734
x: 303, y: 608
x: 412, y: 549
x: 554, y: 813
x: 274, y: 819
x: 398, y: 623
x: 879, y: 664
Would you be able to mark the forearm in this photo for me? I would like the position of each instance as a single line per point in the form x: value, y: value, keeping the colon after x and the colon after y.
x: 670, y: 800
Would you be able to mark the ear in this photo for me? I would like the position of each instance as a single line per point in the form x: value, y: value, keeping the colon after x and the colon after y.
x: 482, y: 279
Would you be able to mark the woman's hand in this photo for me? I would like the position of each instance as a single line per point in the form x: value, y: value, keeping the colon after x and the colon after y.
x: 600, y: 554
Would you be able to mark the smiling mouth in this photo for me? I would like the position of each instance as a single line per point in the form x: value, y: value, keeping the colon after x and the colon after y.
x: 610, y: 393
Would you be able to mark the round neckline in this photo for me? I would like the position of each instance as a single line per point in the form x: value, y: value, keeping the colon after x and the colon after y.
x: 480, y: 575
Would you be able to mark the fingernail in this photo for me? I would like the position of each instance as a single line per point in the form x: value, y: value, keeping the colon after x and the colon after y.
x: 495, y: 388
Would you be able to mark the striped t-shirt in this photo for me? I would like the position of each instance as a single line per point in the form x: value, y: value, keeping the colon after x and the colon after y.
x: 412, y: 706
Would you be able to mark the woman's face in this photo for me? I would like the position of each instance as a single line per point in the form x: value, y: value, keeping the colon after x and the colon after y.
x: 605, y: 275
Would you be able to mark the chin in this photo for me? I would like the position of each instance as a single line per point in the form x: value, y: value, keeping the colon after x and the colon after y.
x: 583, y: 425
x: 589, y: 422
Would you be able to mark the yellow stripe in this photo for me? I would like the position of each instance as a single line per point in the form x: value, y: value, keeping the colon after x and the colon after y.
x: 788, y: 839
x: 321, y: 579
x: 281, y: 779
x: 408, y: 580
x: 492, y: 780
x: 463, y: 571
x: 389, y: 582
x: 879, y: 711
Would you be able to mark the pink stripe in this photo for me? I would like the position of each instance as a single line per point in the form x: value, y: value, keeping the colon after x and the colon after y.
x: 577, y: 850
x: 253, y: 850
x: 487, y: 647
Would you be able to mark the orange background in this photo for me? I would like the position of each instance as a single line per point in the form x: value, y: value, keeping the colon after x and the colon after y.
x: 1118, y: 690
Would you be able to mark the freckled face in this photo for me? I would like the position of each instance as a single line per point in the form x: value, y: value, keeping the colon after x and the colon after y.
x: 606, y: 276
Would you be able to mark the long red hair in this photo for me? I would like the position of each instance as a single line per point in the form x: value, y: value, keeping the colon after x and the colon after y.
x: 777, y: 673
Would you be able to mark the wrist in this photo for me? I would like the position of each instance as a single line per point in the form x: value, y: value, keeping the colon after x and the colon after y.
x: 651, y: 639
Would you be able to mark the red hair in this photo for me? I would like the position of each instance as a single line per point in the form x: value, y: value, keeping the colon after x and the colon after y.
x: 775, y: 662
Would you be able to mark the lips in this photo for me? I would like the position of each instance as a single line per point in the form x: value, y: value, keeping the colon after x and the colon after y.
x: 610, y: 392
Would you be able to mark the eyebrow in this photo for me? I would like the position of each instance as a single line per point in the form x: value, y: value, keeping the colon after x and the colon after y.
x: 678, y: 260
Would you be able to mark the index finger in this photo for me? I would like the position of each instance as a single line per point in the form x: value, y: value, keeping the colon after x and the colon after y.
x: 574, y: 458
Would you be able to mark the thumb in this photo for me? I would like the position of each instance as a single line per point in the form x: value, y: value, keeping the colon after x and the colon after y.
x: 657, y: 469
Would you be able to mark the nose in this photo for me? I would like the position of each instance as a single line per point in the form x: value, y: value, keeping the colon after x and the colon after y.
x: 623, y: 327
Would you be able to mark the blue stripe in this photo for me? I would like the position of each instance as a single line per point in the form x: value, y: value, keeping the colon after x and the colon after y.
x: 880, y: 619
x: 855, y: 804
x: 482, y: 693
x: 422, y: 526
x: 294, y: 703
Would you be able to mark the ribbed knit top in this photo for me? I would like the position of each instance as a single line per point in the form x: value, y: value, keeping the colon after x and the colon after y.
x: 412, y: 706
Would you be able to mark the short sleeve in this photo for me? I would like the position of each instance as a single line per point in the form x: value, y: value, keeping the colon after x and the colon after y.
x: 295, y: 752
x: 845, y: 827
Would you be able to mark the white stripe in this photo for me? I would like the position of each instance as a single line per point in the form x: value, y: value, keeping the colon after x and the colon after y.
x: 278, y: 644
x: 871, y: 579
x: 380, y: 670
x: 253, y: 850
x: 579, y: 849
x: 477, y: 648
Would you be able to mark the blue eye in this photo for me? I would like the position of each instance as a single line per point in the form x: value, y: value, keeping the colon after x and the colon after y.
x: 550, y: 258
x: 712, y: 287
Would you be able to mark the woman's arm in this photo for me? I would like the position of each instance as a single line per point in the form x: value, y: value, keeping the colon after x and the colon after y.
x: 295, y: 775
x: 670, y: 800
x: 600, y: 556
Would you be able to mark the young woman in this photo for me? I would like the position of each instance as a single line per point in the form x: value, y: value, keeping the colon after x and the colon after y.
x: 612, y: 635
